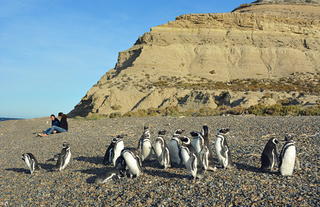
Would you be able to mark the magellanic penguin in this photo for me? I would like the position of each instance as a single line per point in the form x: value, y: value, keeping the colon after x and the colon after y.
x: 145, y: 146
x: 161, y: 150
x: 114, y: 150
x: 222, y: 148
x: 269, y: 156
x: 117, y: 172
x: 200, y: 143
x: 287, y: 158
x: 133, y: 163
x: 189, y: 156
x: 31, y: 162
x: 64, y: 157
x: 174, y: 147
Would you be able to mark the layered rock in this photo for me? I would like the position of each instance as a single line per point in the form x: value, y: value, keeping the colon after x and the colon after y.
x: 189, y: 62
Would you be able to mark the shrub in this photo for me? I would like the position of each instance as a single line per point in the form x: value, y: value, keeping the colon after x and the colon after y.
x: 115, y: 115
x: 115, y: 107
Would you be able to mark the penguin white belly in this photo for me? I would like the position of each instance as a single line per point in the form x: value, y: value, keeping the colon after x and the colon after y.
x: 218, y: 151
x: 117, y: 152
x: 166, y: 158
x: 131, y: 163
x: 192, y: 164
x: 146, y: 149
x: 28, y: 164
x: 288, y: 160
x: 67, y: 160
x: 174, y: 152
x: 205, y: 158
x: 158, y: 149
x: 196, y: 144
x: 225, y: 160
x: 185, y: 156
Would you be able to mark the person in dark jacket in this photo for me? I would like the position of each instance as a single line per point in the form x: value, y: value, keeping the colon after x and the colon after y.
x: 55, y: 126
x: 63, y: 121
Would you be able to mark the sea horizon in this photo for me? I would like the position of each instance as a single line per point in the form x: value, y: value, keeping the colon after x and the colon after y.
x: 8, y: 118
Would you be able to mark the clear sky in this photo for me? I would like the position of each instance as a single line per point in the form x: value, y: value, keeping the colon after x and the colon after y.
x: 53, y: 51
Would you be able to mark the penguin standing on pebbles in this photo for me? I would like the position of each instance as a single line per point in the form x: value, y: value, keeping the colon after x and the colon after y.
x: 269, y: 156
x: 197, y: 141
x: 114, y: 150
x: 222, y: 148
x: 287, y: 157
x: 174, y: 147
x: 31, y: 162
x: 133, y: 163
x: 145, y: 145
x: 200, y: 143
x: 64, y: 157
x: 189, y: 156
x: 161, y: 150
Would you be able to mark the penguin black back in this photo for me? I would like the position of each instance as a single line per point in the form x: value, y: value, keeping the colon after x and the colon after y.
x: 269, y: 156
x: 108, y: 156
x: 205, y: 134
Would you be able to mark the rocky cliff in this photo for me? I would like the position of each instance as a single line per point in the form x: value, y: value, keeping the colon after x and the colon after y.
x: 260, y: 53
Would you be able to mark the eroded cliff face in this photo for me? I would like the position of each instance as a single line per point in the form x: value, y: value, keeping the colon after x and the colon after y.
x: 189, y: 62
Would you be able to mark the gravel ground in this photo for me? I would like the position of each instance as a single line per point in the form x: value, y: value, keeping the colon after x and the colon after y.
x: 244, y: 185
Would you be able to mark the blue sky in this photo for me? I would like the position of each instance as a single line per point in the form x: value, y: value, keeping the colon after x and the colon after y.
x: 53, y: 51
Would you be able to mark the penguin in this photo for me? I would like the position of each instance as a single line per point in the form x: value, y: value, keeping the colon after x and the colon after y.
x: 121, y: 166
x: 64, y: 157
x: 205, y: 154
x: 31, y: 162
x: 145, y: 146
x: 222, y: 148
x: 107, y: 177
x: 114, y: 150
x: 269, y: 156
x: 189, y: 156
x: 133, y: 163
x: 197, y: 141
x: 161, y: 150
x: 117, y: 172
x: 174, y: 147
x: 287, y: 158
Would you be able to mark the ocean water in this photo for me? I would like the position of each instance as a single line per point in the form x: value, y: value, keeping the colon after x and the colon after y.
x: 6, y: 119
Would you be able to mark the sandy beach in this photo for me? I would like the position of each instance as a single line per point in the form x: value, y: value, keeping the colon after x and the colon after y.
x: 244, y: 185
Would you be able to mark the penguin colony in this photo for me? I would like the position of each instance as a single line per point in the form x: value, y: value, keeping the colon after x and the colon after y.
x: 194, y: 154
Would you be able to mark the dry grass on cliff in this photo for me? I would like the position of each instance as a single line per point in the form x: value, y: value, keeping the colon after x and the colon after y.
x: 300, y: 84
x: 259, y: 110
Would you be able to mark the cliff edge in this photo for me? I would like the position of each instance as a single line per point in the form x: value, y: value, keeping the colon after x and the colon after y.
x: 261, y: 53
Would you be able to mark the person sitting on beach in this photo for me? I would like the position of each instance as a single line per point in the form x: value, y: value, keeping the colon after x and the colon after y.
x: 63, y: 121
x: 56, y: 125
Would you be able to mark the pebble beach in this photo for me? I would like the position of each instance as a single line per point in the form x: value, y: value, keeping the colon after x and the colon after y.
x: 244, y: 185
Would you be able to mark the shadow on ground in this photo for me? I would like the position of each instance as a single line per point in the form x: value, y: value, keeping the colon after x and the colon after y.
x: 243, y: 166
x: 19, y: 170
x: 165, y: 174
x: 96, y: 172
x: 94, y: 160
x: 47, y: 167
